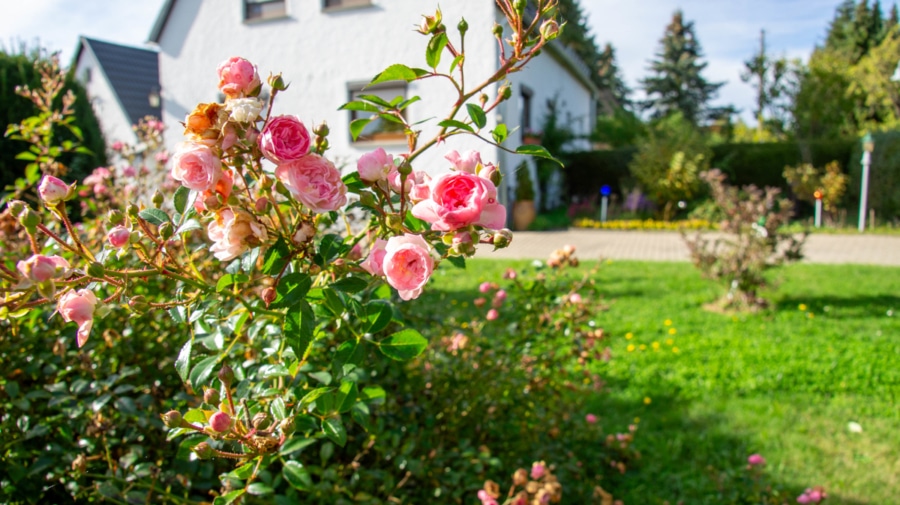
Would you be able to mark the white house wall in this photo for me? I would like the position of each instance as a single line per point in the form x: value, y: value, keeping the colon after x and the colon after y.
x: 113, y: 122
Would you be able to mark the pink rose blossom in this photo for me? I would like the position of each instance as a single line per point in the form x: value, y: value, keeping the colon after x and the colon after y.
x: 220, y: 422
x: 407, y: 264
x: 803, y: 498
x: 575, y: 298
x: 756, y: 459
x: 129, y: 171
x: 117, y: 145
x: 52, y: 190
x: 375, y: 166
x: 500, y: 295
x: 233, y: 232
x: 484, y: 287
x: 485, y: 498
x: 118, y: 236
x: 492, y: 315
x: 78, y: 306
x: 590, y: 418
x: 374, y: 261
x: 196, y: 166
x: 815, y: 495
x: 284, y: 139
x: 40, y: 268
x: 467, y: 163
x: 315, y: 182
x: 538, y: 469
x: 460, y: 199
x: 237, y: 77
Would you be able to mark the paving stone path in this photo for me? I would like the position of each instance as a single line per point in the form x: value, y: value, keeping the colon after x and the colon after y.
x: 668, y: 246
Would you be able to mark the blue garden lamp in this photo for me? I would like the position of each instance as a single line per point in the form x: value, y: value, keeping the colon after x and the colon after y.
x: 868, y: 146
x: 605, y: 191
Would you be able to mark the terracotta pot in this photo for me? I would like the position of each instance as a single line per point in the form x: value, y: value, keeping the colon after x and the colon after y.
x: 523, y: 214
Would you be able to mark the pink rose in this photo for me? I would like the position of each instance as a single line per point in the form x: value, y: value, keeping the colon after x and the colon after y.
x: 575, y: 298
x: 315, y: 182
x: 756, y: 459
x: 538, y: 469
x: 815, y: 495
x: 803, y: 498
x: 460, y: 199
x: 485, y: 498
x: 52, y: 190
x: 468, y: 163
x: 117, y: 145
x: 40, y: 268
x: 500, y: 295
x: 374, y: 261
x: 375, y: 166
x: 417, y: 184
x: 484, y: 287
x: 196, y: 166
x: 590, y: 418
x: 233, y: 232
x: 407, y: 264
x: 118, y: 236
x: 492, y: 315
x: 220, y: 422
x: 237, y: 77
x: 78, y: 306
x: 284, y: 139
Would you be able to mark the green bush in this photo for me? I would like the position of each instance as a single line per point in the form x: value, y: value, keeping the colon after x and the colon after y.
x: 884, y: 176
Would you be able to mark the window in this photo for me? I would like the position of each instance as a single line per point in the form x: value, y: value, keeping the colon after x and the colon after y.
x: 379, y: 130
x: 525, y: 99
x: 264, y: 9
x: 344, y: 4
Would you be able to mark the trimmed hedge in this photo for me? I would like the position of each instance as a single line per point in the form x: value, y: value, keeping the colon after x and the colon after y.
x: 759, y: 164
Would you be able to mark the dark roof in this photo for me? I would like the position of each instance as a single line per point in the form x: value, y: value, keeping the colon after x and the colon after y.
x: 161, y: 19
x: 132, y: 72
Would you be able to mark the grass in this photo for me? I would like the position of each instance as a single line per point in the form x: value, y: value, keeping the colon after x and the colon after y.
x: 784, y: 383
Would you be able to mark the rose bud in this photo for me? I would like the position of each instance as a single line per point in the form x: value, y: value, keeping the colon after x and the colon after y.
x: 226, y: 374
x: 53, y: 190
x: 492, y: 315
x: 211, y: 396
x: 287, y: 426
x: 260, y: 421
x: 220, y: 422
x: 502, y: 238
x: 268, y: 296
x: 172, y: 419
x: 203, y: 450
x: 118, y: 236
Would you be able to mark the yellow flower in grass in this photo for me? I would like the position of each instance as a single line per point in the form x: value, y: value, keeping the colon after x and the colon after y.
x: 669, y: 341
x: 801, y: 307
x: 647, y: 400
x: 655, y: 346
x: 672, y: 331
x: 643, y: 347
x: 668, y: 322
x: 637, y: 420
x: 675, y: 350
x: 629, y: 336
x: 810, y: 315
x: 630, y: 348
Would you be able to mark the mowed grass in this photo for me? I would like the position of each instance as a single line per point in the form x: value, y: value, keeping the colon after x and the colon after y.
x: 708, y: 389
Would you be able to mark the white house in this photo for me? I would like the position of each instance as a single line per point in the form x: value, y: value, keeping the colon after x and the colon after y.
x: 122, y: 83
x: 328, y: 49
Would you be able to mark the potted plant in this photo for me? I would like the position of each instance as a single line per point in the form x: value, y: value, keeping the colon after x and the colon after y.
x: 523, y: 210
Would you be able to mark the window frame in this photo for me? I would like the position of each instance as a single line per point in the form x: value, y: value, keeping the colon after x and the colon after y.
x: 263, y: 16
x: 340, y: 5
x: 388, y: 136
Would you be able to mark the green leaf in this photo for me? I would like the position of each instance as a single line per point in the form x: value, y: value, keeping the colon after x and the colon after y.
x: 457, y: 62
x: 297, y: 476
x: 27, y: 156
x: 154, y: 216
x: 360, y: 414
x: 346, y: 396
x: 278, y: 409
x: 182, y: 195
x: 398, y: 72
x: 457, y: 261
x: 291, y: 290
x: 298, y: 328
x: 228, y: 499
x: 276, y: 257
x: 296, y: 444
x: 202, y: 371
x: 500, y: 132
x: 452, y: 123
x: 358, y: 125
x: 379, y: 315
x: 538, y: 151
x: 477, y: 115
x: 260, y: 489
x: 406, y: 103
x: 350, y: 284
x: 374, y: 395
x: 435, y: 47
x: 189, y: 225
x: 403, y: 345
x: 359, y: 106
x: 183, y: 363
x: 314, y: 395
x: 228, y: 280
x: 243, y: 472
x: 377, y: 100
x: 333, y: 302
x: 334, y: 429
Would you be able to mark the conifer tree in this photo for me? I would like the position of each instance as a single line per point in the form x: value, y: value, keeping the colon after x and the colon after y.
x: 676, y: 83
x: 766, y: 75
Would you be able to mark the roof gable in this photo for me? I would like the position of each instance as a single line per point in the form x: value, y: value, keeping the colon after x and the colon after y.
x: 133, y: 74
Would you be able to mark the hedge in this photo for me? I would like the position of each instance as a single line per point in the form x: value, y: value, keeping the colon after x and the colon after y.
x: 884, y: 177
x: 759, y: 164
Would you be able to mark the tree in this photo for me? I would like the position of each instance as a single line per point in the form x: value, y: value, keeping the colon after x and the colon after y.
x: 676, y: 83
x: 767, y: 76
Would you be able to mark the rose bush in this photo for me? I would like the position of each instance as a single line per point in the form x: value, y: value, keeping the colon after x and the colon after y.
x: 272, y: 319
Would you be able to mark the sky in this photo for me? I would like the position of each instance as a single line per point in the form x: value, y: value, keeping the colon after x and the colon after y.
x: 728, y: 30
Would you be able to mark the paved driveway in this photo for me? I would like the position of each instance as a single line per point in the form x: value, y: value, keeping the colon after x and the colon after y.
x: 668, y: 246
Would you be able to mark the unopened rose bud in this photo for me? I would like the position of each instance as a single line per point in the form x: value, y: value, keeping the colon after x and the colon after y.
x: 463, y: 26
x: 211, y: 396
x: 322, y: 129
x: 226, y: 375
x: 115, y: 217
x: 166, y: 230
x: 138, y: 304
x: 268, y: 296
x: 172, y: 419
x: 519, y: 5
x: 265, y: 182
x: 367, y: 199
x: 502, y: 238
x: 287, y: 426
x: 118, y: 237
x: 549, y: 30
x: 16, y: 207
x: 220, y: 422
x: 505, y: 92
x: 132, y: 210
x: 498, y: 30
x: 260, y: 421
x: 29, y: 219
x: 158, y: 199
x: 277, y: 82
x: 203, y: 451
x: 405, y: 169
x: 53, y: 190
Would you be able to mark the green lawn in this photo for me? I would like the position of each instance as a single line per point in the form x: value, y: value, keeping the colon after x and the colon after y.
x: 715, y: 388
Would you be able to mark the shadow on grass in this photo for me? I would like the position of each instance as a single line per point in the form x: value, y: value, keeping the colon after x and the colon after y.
x: 844, y: 307
x: 690, y: 457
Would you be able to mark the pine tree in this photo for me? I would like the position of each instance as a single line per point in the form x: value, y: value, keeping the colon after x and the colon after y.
x: 767, y: 76
x: 611, y: 77
x: 676, y: 83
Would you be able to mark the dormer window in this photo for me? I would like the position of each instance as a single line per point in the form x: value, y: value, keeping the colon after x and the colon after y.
x: 257, y: 10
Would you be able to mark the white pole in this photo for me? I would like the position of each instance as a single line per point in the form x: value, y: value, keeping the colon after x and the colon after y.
x: 818, y: 212
x: 864, y: 191
x: 604, y: 204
